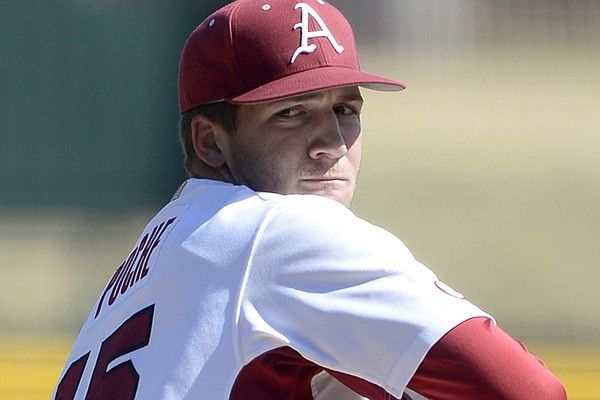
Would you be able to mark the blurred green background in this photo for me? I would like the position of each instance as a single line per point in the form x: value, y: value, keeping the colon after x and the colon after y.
x: 487, y: 166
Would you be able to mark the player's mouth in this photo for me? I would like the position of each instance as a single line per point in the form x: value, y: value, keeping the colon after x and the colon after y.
x: 324, y: 181
x: 323, y: 184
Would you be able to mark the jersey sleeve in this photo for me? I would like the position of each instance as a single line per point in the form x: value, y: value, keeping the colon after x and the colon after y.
x: 478, y: 360
x: 345, y: 294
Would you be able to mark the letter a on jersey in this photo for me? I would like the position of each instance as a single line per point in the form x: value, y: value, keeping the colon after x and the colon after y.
x: 308, y: 11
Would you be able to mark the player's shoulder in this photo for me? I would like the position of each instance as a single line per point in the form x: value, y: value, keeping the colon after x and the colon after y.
x: 303, y: 217
x: 319, y: 221
x: 306, y: 205
x: 314, y: 237
x: 224, y: 193
x: 308, y: 212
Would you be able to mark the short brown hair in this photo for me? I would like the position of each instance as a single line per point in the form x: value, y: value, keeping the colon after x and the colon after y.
x: 222, y: 113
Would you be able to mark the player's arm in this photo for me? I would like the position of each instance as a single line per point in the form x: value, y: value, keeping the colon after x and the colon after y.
x: 478, y: 360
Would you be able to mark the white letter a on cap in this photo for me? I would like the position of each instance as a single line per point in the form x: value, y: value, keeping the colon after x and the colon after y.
x: 306, y: 34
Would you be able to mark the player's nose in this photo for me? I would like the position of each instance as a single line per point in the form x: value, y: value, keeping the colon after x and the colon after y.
x: 329, y: 142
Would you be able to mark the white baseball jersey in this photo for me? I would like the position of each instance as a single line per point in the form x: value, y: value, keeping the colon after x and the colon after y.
x: 223, y: 274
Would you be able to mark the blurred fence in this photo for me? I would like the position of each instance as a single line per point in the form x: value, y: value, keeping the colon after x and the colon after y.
x: 456, y: 25
x: 88, y: 110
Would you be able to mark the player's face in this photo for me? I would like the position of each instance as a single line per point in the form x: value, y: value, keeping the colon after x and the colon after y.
x: 309, y: 144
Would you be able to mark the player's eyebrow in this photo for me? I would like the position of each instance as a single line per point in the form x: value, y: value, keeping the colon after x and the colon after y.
x: 352, y: 97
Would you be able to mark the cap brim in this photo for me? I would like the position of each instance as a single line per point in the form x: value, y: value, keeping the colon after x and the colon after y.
x: 313, y: 80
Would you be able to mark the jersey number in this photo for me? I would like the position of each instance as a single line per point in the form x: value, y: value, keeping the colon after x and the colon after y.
x: 121, y: 381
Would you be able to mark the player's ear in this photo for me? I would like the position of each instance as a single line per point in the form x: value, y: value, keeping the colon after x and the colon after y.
x: 205, y: 142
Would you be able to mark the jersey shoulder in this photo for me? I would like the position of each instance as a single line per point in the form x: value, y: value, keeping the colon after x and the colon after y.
x: 322, y: 224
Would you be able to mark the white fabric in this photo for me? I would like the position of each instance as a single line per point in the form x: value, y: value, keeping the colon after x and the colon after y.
x: 238, y: 273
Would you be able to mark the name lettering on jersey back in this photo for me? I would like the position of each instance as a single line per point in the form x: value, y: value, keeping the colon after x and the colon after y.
x: 135, y: 267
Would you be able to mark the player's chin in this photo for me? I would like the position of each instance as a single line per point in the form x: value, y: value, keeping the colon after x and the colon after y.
x: 340, y: 190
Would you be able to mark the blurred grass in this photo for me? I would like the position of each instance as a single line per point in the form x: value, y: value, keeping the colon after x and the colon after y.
x: 577, y: 366
x: 31, y: 366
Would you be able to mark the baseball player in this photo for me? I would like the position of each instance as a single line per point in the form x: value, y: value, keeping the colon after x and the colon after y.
x: 256, y: 281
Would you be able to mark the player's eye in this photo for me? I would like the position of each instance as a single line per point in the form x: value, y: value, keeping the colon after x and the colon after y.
x: 345, y: 110
x: 289, y: 112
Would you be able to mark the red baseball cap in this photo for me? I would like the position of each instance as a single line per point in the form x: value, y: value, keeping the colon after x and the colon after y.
x: 252, y: 51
